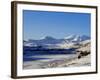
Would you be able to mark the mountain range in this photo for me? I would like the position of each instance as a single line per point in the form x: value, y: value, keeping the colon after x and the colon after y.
x: 50, y: 42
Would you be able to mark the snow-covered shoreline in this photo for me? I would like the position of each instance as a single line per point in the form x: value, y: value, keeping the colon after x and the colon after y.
x: 62, y: 62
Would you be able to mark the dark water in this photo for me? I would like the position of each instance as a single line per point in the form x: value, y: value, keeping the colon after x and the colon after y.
x: 30, y: 52
x: 31, y: 58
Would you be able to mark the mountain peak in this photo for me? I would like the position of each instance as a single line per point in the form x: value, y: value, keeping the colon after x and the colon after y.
x: 49, y: 38
x: 77, y: 37
x: 70, y: 37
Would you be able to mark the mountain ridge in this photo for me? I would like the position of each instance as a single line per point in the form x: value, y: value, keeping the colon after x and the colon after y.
x: 50, y: 42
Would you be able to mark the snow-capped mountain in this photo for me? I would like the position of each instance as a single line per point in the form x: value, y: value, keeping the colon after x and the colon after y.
x: 50, y: 42
x: 77, y: 38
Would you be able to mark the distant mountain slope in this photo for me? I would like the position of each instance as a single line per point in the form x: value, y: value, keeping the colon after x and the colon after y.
x: 85, y: 46
x: 50, y: 42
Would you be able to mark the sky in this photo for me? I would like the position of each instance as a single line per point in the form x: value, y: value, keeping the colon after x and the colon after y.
x: 38, y: 24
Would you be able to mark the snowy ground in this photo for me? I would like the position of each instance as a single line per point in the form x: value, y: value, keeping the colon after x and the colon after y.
x: 58, y: 61
x: 84, y: 61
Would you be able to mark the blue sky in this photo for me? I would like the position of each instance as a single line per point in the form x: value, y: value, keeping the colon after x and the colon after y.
x: 38, y: 24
